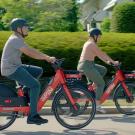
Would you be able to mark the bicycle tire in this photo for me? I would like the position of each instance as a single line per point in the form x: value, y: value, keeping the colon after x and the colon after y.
x: 70, y: 125
x: 9, y: 116
x: 123, y: 103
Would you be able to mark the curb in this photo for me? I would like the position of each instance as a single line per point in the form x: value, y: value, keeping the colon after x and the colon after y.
x: 109, y: 110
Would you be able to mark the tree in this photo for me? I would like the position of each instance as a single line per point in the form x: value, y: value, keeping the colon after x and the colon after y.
x: 2, y: 12
x: 58, y: 16
x: 72, y: 16
x: 20, y: 9
x: 105, y: 25
x: 45, y: 15
x: 123, y: 18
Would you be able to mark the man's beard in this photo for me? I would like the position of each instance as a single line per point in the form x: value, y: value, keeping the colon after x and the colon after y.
x: 25, y: 35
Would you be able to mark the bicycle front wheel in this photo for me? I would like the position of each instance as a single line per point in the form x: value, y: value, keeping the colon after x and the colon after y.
x: 125, y: 104
x: 7, y: 119
x: 67, y: 116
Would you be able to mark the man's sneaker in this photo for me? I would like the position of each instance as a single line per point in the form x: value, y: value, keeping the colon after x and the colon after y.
x: 100, y: 109
x: 36, y: 120
x: 41, y: 119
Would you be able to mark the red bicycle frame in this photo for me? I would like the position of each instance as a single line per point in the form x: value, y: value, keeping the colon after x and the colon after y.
x: 58, y: 79
x: 119, y: 78
x: 130, y: 75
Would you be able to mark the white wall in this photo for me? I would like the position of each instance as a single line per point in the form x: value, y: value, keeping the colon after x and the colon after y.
x: 125, y: 0
x: 96, y: 5
x: 103, y: 3
x: 89, y: 7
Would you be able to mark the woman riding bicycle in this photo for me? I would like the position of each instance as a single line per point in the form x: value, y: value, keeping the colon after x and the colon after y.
x: 92, y: 71
x: 12, y: 67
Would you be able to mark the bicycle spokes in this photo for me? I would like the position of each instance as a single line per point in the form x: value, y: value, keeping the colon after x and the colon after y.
x: 70, y: 117
x: 124, y: 103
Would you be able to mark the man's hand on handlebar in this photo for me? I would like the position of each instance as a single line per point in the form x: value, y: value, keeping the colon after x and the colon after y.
x: 52, y: 59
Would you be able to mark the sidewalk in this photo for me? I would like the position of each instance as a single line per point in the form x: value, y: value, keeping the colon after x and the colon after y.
x: 109, y: 110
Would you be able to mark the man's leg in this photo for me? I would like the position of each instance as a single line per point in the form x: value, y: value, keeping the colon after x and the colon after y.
x: 35, y: 71
x: 24, y: 77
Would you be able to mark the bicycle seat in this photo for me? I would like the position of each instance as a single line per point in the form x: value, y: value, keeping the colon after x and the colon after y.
x: 71, y: 72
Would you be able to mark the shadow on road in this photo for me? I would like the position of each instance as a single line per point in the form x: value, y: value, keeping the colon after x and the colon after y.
x: 66, y: 132
x: 121, y: 119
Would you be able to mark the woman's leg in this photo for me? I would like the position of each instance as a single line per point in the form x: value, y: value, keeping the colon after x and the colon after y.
x: 102, y: 70
x: 93, y: 75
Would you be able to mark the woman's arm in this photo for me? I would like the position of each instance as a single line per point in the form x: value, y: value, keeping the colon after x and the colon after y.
x: 102, y: 55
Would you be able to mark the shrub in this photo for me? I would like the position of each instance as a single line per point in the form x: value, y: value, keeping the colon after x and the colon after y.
x: 1, y: 26
x: 105, y: 25
x: 123, y: 18
x: 68, y: 45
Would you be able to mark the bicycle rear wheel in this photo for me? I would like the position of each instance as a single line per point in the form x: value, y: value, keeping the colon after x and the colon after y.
x: 125, y: 104
x: 67, y: 116
x: 7, y: 119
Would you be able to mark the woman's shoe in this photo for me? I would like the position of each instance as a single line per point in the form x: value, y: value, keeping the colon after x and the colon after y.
x: 100, y: 109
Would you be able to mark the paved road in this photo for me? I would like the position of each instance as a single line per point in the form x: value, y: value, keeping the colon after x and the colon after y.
x: 116, y: 124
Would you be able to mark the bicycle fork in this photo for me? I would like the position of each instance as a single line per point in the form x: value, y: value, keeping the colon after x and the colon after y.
x: 71, y: 99
x: 128, y: 93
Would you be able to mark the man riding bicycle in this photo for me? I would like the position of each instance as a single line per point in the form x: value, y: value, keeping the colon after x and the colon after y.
x: 12, y: 67
x: 92, y: 71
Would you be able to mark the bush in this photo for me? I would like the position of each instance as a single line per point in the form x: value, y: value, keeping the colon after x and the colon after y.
x: 69, y: 45
x: 123, y: 18
x: 105, y: 25
x: 1, y: 26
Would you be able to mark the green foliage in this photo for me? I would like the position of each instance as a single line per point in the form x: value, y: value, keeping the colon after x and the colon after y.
x: 47, y: 15
x: 2, y: 12
x: 1, y: 26
x: 123, y: 18
x: 69, y: 45
x: 105, y: 25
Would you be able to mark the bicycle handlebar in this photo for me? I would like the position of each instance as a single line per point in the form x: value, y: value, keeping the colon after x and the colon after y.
x: 117, y: 67
x: 57, y: 64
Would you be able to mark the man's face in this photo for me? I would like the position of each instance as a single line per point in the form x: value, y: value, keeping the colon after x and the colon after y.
x: 24, y: 30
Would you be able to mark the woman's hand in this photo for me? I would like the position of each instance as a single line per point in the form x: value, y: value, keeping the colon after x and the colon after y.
x: 116, y: 63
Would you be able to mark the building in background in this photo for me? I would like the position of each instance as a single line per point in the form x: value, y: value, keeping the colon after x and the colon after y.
x: 94, y: 11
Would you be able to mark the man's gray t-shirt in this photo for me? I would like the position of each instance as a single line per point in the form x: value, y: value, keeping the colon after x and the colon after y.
x: 11, y: 56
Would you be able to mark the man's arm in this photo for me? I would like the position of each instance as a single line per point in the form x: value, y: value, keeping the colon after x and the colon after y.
x: 31, y: 52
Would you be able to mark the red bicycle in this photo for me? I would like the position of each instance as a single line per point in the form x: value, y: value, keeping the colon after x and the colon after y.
x: 124, y: 91
x: 68, y: 103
